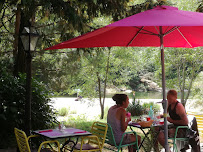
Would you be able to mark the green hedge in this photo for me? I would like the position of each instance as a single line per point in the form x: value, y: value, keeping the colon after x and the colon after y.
x: 12, y: 107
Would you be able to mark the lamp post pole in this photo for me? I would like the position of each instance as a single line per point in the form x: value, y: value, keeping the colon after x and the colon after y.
x: 28, y: 91
x: 29, y: 39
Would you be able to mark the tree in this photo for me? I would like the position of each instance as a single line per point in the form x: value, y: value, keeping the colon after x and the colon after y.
x: 197, y: 92
x: 60, y: 20
x: 182, y: 67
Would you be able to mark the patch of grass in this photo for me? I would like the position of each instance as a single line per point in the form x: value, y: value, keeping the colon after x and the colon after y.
x: 63, y: 111
x: 73, y: 112
x: 79, y: 122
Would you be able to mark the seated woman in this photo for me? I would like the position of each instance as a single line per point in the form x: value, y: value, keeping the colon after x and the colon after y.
x: 116, y: 118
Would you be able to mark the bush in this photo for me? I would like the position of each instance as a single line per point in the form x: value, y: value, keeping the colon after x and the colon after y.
x: 12, y: 103
x: 135, y: 108
x: 63, y: 111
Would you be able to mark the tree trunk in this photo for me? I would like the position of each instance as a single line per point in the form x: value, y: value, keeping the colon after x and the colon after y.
x: 183, y: 83
x: 191, y: 82
x: 20, y: 57
x: 17, y: 28
x: 106, y: 77
x: 100, y: 98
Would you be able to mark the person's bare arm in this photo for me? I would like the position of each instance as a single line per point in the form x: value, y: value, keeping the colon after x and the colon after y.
x: 180, y: 110
x: 124, y: 124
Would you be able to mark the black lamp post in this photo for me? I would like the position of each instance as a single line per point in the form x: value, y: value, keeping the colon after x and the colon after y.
x: 29, y: 37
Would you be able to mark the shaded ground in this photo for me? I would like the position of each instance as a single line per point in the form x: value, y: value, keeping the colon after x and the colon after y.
x: 90, y: 109
x: 104, y: 150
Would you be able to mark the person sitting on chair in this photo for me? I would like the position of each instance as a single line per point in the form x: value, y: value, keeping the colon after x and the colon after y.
x: 117, y: 119
x: 177, y: 115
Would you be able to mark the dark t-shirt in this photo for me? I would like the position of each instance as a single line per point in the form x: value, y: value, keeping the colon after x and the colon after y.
x: 172, y: 112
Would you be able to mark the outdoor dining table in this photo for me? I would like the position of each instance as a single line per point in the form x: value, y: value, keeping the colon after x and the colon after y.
x: 147, y: 131
x: 69, y: 133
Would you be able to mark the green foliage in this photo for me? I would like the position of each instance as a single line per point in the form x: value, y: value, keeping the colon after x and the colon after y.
x: 63, y: 111
x: 12, y: 103
x: 146, y: 107
x: 198, y: 92
x: 182, y: 67
x: 79, y: 122
x: 135, y: 108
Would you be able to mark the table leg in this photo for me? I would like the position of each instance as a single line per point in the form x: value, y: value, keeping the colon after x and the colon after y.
x: 145, y: 137
x: 69, y: 141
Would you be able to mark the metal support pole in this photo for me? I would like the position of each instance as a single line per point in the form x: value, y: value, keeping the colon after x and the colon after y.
x: 165, y: 105
x: 28, y: 91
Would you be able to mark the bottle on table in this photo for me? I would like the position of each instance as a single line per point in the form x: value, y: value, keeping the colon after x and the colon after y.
x: 151, y: 113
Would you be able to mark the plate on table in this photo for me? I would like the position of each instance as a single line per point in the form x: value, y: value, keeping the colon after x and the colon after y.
x: 134, y: 123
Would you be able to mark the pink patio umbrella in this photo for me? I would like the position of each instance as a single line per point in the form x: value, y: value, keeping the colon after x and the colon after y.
x: 163, y: 26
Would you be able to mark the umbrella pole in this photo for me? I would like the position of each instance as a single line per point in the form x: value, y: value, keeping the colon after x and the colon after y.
x: 165, y: 105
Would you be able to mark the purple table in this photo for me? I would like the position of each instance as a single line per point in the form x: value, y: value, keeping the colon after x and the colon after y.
x: 64, y: 133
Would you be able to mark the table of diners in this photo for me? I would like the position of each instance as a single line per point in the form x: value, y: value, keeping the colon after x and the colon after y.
x: 69, y: 133
x: 147, y: 131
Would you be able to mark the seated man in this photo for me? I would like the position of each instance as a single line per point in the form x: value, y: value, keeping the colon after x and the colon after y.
x: 177, y: 116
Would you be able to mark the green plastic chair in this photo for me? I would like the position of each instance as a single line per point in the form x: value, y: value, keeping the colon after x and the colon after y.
x: 111, y: 140
x: 175, y: 138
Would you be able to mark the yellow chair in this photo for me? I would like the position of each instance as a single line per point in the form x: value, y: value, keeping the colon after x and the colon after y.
x: 23, y: 142
x: 199, y: 118
x: 94, y: 142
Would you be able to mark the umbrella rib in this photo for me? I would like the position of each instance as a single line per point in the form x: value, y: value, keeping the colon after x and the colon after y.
x: 184, y: 37
x: 157, y: 30
x: 140, y: 29
x: 149, y: 32
x: 171, y: 30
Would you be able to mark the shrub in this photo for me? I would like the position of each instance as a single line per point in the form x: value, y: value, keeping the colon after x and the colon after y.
x: 73, y: 112
x: 135, y: 108
x: 12, y: 103
x: 63, y: 111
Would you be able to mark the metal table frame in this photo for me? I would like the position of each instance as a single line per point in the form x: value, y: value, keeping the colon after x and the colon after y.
x: 146, y: 131
x: 63, y: 134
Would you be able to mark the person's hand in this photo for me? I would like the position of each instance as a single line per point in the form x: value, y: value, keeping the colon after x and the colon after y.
x: 169, y: 120
x: 128, y: 119
x: 158, y: 117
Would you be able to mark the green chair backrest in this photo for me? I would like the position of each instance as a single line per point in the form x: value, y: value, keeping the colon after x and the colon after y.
x: 110, y: 139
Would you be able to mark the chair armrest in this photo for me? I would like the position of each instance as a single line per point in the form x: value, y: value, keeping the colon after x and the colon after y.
x: 90, y: 137
x: 51, y: 141
x: 129, y: 132
x: 32, y: 136
x: 45, y: 142
x: 180, y: 127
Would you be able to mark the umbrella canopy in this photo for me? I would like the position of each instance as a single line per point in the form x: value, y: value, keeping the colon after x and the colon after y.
x: 180, y: 29
x: 163, y: 26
